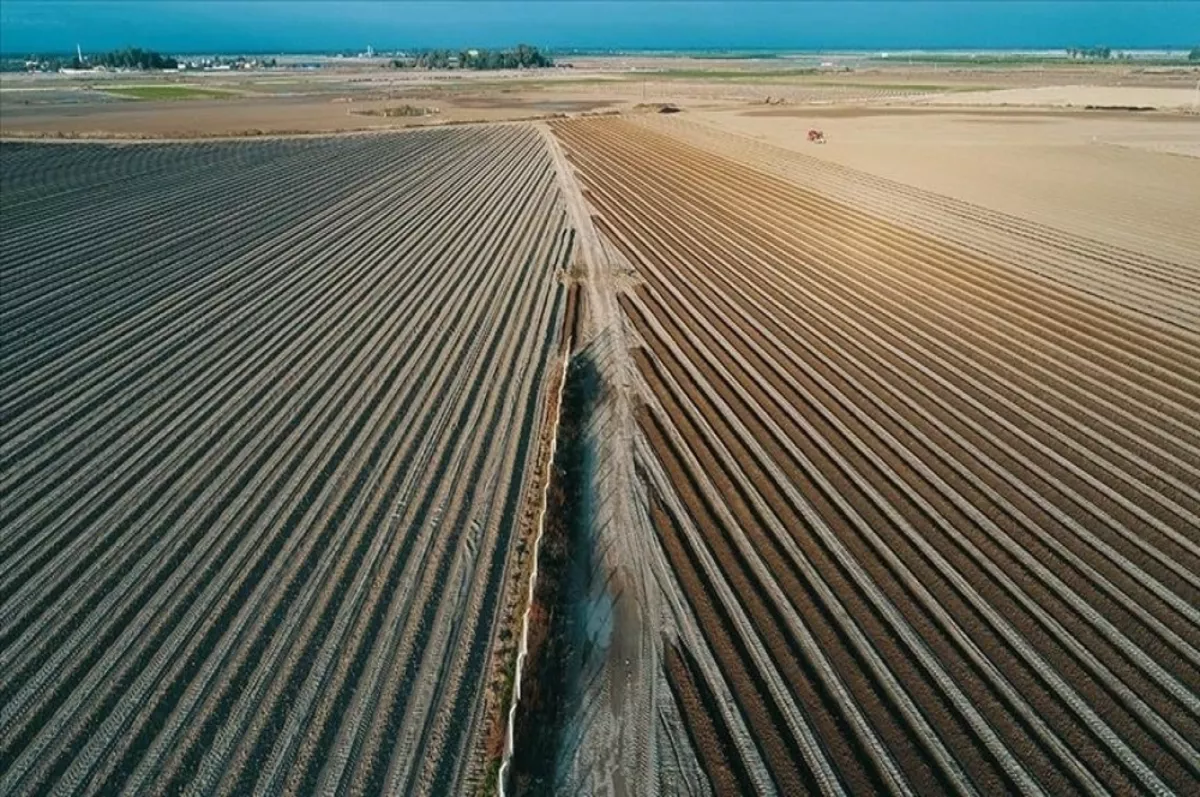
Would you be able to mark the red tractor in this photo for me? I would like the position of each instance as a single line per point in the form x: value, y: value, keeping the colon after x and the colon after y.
x: 816, y: 136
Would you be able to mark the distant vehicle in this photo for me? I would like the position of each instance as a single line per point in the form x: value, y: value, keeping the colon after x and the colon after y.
x: 816, y: 136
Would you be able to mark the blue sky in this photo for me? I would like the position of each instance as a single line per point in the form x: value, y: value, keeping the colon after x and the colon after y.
x: 298, y: 25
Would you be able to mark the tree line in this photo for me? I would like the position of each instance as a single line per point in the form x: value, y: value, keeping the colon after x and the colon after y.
x: 1097, y: 54
x: 523, y: 56
x: 1106, y: 53
x: 1090, y: 53
x: 127, y: 58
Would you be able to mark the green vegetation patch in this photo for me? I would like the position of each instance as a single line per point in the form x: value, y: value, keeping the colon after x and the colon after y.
x: 912, y: 87
x: 523, y: 56
x: 728, y: 74
x: 518, y: 84
x: 399, y: 111
x: 168, y: 93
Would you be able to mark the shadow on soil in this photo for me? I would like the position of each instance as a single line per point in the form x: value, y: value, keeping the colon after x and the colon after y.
x: 555, y: 625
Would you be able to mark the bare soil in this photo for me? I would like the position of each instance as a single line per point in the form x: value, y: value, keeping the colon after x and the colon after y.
x: 886, y: 449
x: 263, y: 488
x: 890, y: 483
x: 1110, y: 177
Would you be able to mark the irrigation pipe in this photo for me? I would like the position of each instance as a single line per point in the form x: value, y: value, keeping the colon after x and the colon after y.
x: 523, y: 647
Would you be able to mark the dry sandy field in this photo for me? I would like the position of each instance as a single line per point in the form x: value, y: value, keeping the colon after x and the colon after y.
x: 57, y: 106
x: 889, y: 472
x: 344, y: 97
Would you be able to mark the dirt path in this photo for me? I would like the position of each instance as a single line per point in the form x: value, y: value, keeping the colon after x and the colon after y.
x: 612, y: 744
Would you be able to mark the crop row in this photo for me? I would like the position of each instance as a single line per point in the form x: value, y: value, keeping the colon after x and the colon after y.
x: 1160, y: 288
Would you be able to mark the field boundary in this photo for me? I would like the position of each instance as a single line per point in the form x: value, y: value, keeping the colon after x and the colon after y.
x: 523, y: 645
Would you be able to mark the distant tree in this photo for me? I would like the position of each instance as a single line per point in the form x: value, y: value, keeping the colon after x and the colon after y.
x: 521, y: 57
x: 1194, y: 55
x: 433, y: 59
x: 128, y: 58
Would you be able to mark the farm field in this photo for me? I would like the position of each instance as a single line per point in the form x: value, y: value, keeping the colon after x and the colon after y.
x: 1118, y: 178
x: 352, y: 95
x: 167, y: 92
x: 875, y: 468
x: 271, y: 412
x: 920, y: 480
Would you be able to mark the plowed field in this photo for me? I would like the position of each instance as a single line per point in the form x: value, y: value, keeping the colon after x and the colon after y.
x: 933, y: 511
x: 270, y: 412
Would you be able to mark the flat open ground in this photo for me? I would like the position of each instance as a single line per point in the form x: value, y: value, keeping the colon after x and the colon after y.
x: 215, y: 105
x: 344, y: 96
x: 891, y: 471
x: 1126, y: 178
